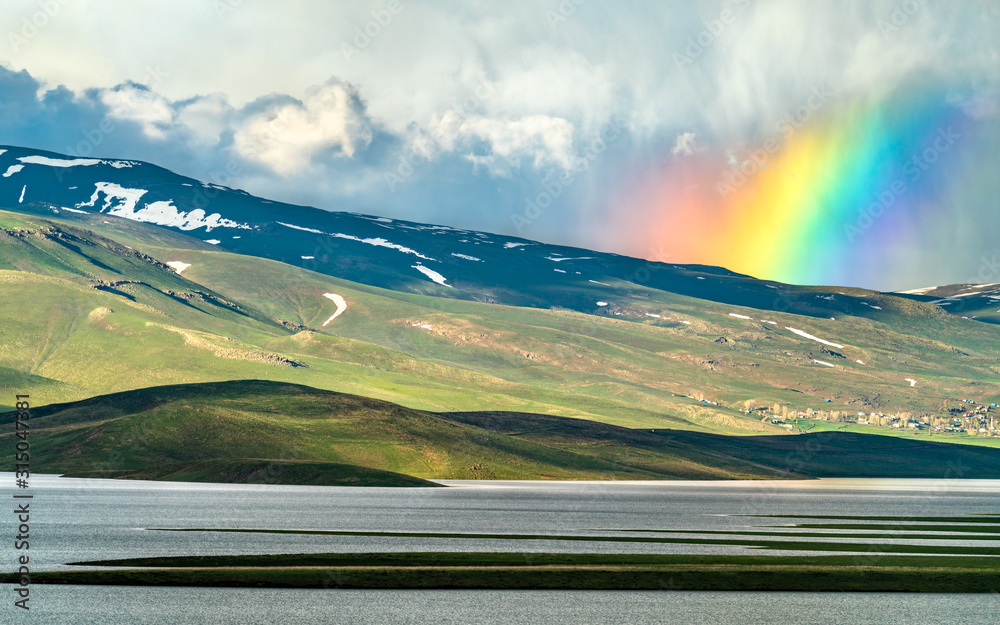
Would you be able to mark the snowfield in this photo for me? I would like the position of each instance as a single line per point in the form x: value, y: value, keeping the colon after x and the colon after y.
x: 433, y: 275
x: 377, y: 242
x: 380, y: 242
x: 294, y: 227
x: 813, y: 338
x: 341, y: 306
x: 13, y: 169
x: 161, y: 213
x: 56, y: 162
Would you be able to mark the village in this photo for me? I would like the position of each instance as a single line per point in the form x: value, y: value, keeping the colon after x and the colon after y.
x: 970, y: 418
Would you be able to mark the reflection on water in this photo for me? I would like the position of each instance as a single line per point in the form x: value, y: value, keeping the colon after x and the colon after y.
x: 97, y: 605
x: 74, y: 520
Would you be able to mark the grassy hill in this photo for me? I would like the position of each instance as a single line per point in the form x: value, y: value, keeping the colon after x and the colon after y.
x: 259, y: 431
x: 108, y: 315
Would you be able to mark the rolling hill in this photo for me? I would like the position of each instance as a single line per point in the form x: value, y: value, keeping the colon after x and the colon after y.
x: 108, y: 313
x: 267, y: 432
x: 117, y: 297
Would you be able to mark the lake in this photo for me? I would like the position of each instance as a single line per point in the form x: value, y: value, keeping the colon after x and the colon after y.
x: 76, y: 519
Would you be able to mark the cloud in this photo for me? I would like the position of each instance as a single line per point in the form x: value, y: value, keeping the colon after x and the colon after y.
x: 541, y: 140
x: 137, y: 103
x: 474, y: 103
x: 684, y: 144
x: 287, y: 136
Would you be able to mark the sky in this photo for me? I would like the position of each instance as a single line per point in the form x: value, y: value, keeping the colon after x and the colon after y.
x: 826, y: 142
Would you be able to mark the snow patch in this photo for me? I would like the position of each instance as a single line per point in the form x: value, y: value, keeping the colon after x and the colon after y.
x: 860, y: 362
x: 700, y: 278
x: 308, y: 257
x: 813, y: 338
x: 825, y: 364
x: 58, y: 162
x: 911, y: 381
x: 161, y: 213
x: 313, y: 230
x: 601, y: 283
x: 774, y: 323
x: 919, y: 291
x: 213, y: 241
x: 467, y: 257
x: 13, y: 169
x: 178, y: 266
x: 602, y: 303
x: 559, y: 270
x: 653, y: 316
x: 433, y: 275
x: 561, y: 259
x: 20, y: 200
x: 738, y: 316
x: 73, y: 210
x: 341, y: 306
x: 380, y: 242
x: 510, y: 246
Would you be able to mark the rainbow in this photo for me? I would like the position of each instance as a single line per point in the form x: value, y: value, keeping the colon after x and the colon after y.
x: 844, y: 194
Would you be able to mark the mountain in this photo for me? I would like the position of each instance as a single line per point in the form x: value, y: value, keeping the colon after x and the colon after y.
x: 396, y: 254
x: 970, y: 301
x: 117, y: 304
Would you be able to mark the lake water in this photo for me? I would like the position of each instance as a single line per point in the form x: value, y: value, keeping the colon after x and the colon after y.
x: 74, y: 520
x: 101, y: 605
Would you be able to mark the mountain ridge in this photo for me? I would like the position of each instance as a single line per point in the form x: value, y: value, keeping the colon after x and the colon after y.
x: 401, y: 255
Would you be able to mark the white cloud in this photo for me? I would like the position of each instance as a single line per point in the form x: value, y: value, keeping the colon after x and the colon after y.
x: 286, y: 136
x: 684, y: 144
x: 207, y: 118
x: 543, y: 140
x: 139, y: 104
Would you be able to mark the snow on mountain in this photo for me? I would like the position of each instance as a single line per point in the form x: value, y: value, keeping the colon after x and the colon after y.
x: 381, y: 251
x: 433, y: 275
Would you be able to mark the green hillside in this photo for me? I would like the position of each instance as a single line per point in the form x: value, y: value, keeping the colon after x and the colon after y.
x: 259, y: 431
x: 108, y: 315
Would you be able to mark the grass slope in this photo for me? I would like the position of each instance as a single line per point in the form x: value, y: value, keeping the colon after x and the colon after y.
x: 232, y: 317
x: 263, y: 431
